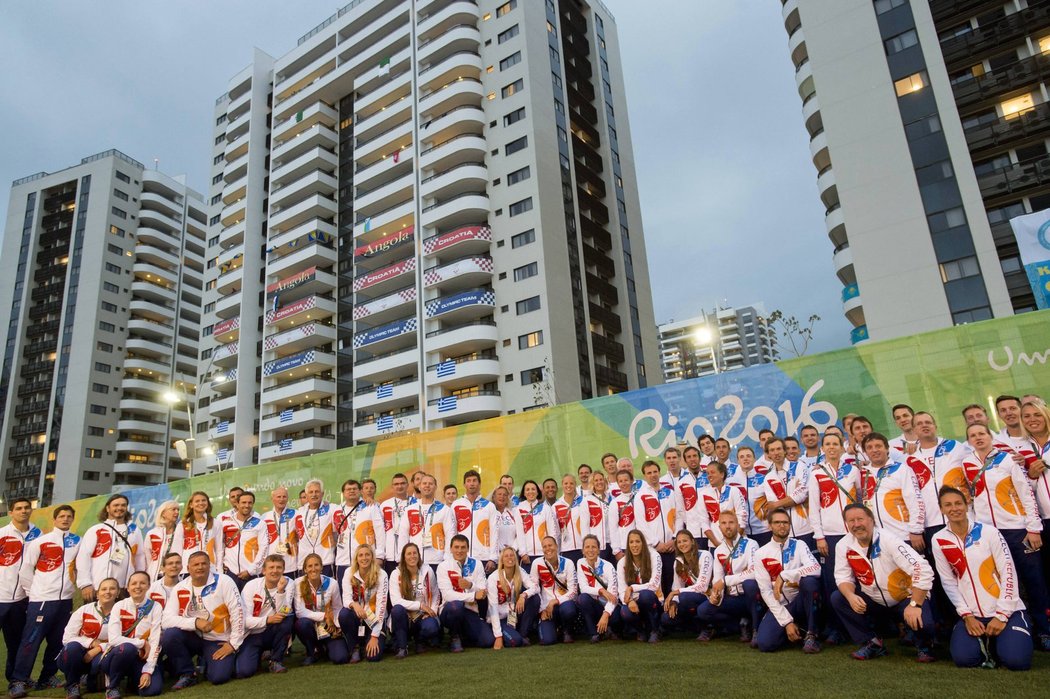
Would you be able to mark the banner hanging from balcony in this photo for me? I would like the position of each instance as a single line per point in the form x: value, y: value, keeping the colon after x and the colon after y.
x: 381, y: 275
x: 279, y: 314
x: 226, y: 326
x: 291, y: 282
x: 454, y: 269
x: 942, y: 371
x: 474, y: 297
x: 373, y: 335
x: 384, y: 303
x: 396, y: 240
x: 446, y: 240
x: 1033, y: 241
x: 286, y: 363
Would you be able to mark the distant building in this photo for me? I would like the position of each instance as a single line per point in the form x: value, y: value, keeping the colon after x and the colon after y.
x: 716, y: 341
x: 101, y: 276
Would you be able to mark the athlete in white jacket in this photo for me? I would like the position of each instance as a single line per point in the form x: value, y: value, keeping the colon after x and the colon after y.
x: 693, y: 572
x: 243, y: 542
x: 514, y: 601
x: 365, y: 588
x: 268, y: 619
x: 426, y: 524
x: 86, y: 638
x: 414, y: 600
x: 111, y: 549
x: 598, y: 601
x: 555, y: 575
x: 462, y: 582
x: 134, y: 641
x: 891, y: 491
x: 788, y: 577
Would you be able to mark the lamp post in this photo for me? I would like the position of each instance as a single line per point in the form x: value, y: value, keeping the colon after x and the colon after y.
x: 187, y: 448
x: 703, y: 337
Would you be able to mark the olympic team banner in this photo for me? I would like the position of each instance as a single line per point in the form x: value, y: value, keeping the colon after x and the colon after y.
x: 1033, y: 241
x: 287, y: 363
x: 373, y: 335
x: 474, y: 297
x: 941, y: 372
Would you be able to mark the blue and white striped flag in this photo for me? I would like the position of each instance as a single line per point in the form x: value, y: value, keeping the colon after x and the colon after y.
x: 222, y: 454
x: 446, y: 368
x: 285, y: 444
x: 223, y: 427
x: 446, y: 403
x: 286, y: 415
x: 385, y: 390
x: 385, y: 423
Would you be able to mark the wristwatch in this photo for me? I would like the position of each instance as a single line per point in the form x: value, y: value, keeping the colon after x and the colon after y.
x: 913, y: 603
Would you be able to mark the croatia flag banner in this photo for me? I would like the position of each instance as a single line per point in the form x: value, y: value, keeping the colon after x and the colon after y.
x: 1033, y: 241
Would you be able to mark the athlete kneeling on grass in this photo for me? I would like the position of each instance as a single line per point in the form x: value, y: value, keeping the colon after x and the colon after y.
x: 85, y: 638
x: 364, y: 594
x: 317, y: 605
x: 555, y: 575
x: 893, y: 580
x: 638, y: 580
x: 414, y: 600
x: 977, y: 572
x: 461, y: 580
x: 789, y: 578
x: 134, y: 641
x: 734, y: 596
x: 599, y: 604
x: 204, y: 618
x: 268, y: 619
x: 514, y: 601
x: 693, y: 570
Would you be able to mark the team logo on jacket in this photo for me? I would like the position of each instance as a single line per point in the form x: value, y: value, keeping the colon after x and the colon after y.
x: 155, y: 544
x: 482, y: 532
x: 10, y: 550
x: 546, y: 577
x: 712, y: 508
x: 596, y: 513
x: 861, y: 567
x: 954, y: 555
x: 922, y: 472
x: 51, y: 556
x: 778, y: 489
x: 127, y: 620
x: 183, y: 596
x: 773, y: 567
x: 894, y: 505
x: 652, y: 507
x: 988, y: 574
x: 365, y: 534
x: 437, y: 536
x: 231, y: 535
x: 103, y: 540
x: 829, y: 490
x: 91, y: 626
x: 415, y: 522
x: 69, y: 540
x: 1006, y: 495
x: 563, y: 513
x: 463, y: 517
x: 157, y: 597
x: 688, y: 496
x: 388, y: 518
x: 626, y: 517
x: 454, y: 578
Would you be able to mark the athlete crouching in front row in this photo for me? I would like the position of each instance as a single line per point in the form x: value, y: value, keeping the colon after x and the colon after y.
x: 268, y: 619
x: 789, y: 578
x: 514, y: 601
x: 893, y: 580
x: 978, y: 574
x: 461, y: 580
x: 693, y: 571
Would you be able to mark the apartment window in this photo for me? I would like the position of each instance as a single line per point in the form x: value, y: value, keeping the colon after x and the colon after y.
x: 520, y: 207
x: 93, y: 453
x: 516, y: 145
x: 557, y: 82
x: 527, y: 305
x: 883, y: 6
x: 220, y: 138
x: 217, y: 159
x: 533, y: 339
x: 555, y: 56
x: 905, y: 40
x: 107, y: 306
x: 514, y: 117
x: 119, y: 232
x: 120, y: 195
x: 90, y: 476
x: 523, y: 238
x: 551, y: 29
x: 98, y: 409
x: 532, y: 376
x: 119, y: 213
x: 100, y: 388
x: 216, y: 199
x: 217, y: 179
x: 930, y: 124
x: 110, y: 287
x: 945, y: 220
x: 122, y: 177
x: 96, y: 432
x: 526, y: 271
x: 911, y: 83
x: 213, y: 241
x: 221, y: 119
x: 514, y: 88
x: 508, y: 34
x: 958, y: 269
x: 518, y: 175
x: 506, y: 7
x: 213, y: 220
x: 511, y: 60
x: 103, y: 368
x: 1017, y: 106
x: 559, y: 108
x: 110, y: 267
x: 115, y: 249
x: 108, y: 327
x: 103, y: 347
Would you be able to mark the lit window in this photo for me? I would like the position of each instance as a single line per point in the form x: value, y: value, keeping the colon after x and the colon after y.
x: 1017, y: 106
x: 1044, y: 45
x: 912, y: 83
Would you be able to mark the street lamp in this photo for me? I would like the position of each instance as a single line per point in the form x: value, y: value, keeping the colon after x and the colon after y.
x: 187, y: 448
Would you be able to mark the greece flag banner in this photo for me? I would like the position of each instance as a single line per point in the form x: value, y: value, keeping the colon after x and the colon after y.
x: 1033, y: 240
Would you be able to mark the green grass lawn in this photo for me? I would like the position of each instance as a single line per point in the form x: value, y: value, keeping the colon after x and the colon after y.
x: 630, y: 669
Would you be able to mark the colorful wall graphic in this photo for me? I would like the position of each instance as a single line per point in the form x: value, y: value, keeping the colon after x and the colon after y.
x: 939, y: 371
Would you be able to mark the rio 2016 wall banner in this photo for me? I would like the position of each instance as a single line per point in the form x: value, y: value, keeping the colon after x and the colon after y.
x: 941, y: 371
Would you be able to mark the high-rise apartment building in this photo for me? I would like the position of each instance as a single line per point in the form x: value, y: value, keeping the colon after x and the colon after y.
x: 425, y: 214
x: 712, y: 342
x: 928, y: 124
x: 101, y: 280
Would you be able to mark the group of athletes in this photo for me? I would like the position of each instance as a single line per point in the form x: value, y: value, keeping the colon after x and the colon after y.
x: 813, y: 540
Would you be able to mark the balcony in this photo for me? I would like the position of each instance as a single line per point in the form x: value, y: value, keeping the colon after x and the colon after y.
x: 463, y: 339
x: 232, y: 235
x: 852, y: 306
x: 151, y: 469
x: 149, y: 347
x: 469, y: 240
x: 226, y: 355
x: 386, y: 366
x: 227, y: 330
x: 317, y: 136
x: 302, y: 256
x: 303, y: 446
x: 299, y: 417
x: 450, y: 66
x: 396, y: 88
x: 1016, y: 179
x: 387, y: 307
x: 462, y: 273
x: 386, y: 194
x: 385, y: 279
x: 828, y: 187
x: 446, y: 183
x: 142, y: 424
x: 467, y: 370
x: 444, y: 155
x: 988, y: 39
x: 314, y: 159
x: 462, y: 37
x: 818, y: 150
x: 835, y: 222
x: 1025, y: 73
x: 221, y: 431
x: 389, y: 395
x: 804, y: 80
x: 154, y: 273
x: 228, y: 306
x: 797, y: 47
x: 843, y: 263
x: 389, y: 220
x: 317, y: 113
x: 388, y: 337
x: 455, y: 410
x: 146, y: 365
x: 292, y: 314
x: 299, y: 391
x: 309, y: 282
x: 224, y: 407
x: 316, y: 182
x: 230, y: 281
x: 315, y: 206
x: 1006, y: 132
x: 144, y: 327
x: 308, y: 362
x: 301, y: 337
x: 375, y: 427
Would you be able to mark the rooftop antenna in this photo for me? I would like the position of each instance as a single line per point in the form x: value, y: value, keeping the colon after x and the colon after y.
x: 156, y: 163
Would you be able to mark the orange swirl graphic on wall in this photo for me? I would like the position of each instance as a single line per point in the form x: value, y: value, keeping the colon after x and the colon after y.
x: 989, y: 576
x: 898, y: 584
x: 894, y: 506
x: 1006, y: 494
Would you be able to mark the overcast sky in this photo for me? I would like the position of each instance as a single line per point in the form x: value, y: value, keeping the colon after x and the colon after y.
x: 728, y: 192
